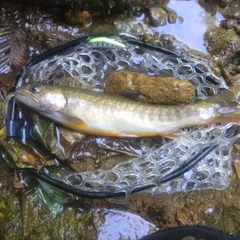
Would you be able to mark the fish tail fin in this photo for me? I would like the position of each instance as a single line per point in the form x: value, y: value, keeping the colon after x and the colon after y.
x: 227, y: 105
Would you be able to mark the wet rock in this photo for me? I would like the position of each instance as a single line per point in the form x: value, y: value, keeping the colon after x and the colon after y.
x: 212, y: 6
x: 209, y: 6
x: 234, y: 79
x: 224, y: 3
x: 223, y: 44
x: 78, y: 17
x: 172, y: 17
x: 163, y: 90
x: 183, y: 217
x: 232, y: 10
x: 158, y: 16
x: 237, y: 167
x: 170, y: 42
x: 231, y: 24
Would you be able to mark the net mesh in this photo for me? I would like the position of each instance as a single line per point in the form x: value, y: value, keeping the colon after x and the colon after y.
x: 87, y: 66
x: 211, y: 172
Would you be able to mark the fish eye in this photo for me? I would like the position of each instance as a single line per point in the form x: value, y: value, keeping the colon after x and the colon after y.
x: 34, y: 89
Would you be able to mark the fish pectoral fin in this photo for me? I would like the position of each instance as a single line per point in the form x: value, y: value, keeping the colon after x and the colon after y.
x: 73, y: 122
x: 132, y: 95
x: 173, y: 135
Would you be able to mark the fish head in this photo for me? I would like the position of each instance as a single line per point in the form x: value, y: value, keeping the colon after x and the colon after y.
x: 43, y: 98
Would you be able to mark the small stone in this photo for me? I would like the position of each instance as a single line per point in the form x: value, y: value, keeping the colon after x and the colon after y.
x: 193, y: 207
x: 237, y: 167
x: 237, y: 146
x: 238, y: 69
x: 183, y: 218
x: 158, y: 16
x: 78, y: 17
x: 172, y: 17
x: 215, y: 58
x: 224, y: 3
x: 195, y: 217
x: 86, y: 18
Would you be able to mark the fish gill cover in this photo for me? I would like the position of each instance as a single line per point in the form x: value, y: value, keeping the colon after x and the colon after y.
x: 87, y: 66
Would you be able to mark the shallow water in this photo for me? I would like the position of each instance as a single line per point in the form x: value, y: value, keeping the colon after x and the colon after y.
x: 195, y: 22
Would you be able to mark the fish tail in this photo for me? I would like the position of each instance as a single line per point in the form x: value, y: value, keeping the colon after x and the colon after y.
x: 226, y: 105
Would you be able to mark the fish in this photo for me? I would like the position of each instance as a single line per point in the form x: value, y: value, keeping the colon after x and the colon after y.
x: 98, y: 113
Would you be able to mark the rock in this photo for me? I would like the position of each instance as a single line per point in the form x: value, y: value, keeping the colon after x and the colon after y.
x: 224, y: 45
x: 158, y: 16
x: 213, y: 6
x: 163, y: 90
x: 224, y: 3
x: 172, y: 17
x: 232, y: 9
x: 237, y: 167
x: 78, y: 18
x: 229, y: 23
x: 183, y: 217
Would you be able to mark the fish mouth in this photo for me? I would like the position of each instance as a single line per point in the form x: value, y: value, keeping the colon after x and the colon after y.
x: 26, y: 97
x: 17, y: 94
